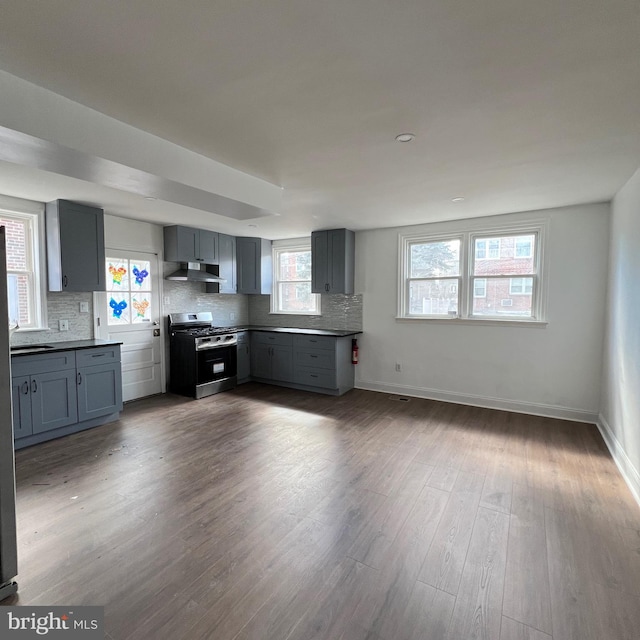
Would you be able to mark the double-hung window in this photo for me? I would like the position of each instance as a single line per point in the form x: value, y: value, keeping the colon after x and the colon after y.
x: 485, y: 274
x: 432, y: 285
x: 23, y: 221
x: 292, y: 279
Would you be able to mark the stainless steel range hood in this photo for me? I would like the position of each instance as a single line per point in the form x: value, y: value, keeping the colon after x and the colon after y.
x: 192, y: 272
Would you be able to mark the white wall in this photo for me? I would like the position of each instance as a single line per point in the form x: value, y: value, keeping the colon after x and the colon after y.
x: 133, y: 235
x: 553, y: 370
x: 620, y: 403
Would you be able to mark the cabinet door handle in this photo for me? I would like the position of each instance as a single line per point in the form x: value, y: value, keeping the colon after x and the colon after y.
x: 326, y: 287
x: 34, y: 386
x: 79, y: 378
x: 64, y: 282
x: 25, y: 387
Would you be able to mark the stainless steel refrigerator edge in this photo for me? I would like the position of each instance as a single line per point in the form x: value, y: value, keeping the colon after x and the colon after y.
x: 8, y: 543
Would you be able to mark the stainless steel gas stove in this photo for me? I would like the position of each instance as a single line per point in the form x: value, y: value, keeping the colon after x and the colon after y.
x: 203, y: 358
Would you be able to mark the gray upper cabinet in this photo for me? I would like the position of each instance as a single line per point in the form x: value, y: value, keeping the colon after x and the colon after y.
x: 75, y: 247
x: 227, y: 267
x: 332, y: 261
x: 185, y: 244
x: 254, y: 265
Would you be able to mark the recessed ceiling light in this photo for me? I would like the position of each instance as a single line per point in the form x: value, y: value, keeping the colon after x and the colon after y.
x: 150, y: 198
x: 252, y: 225
x: 405, y: 137
x: 457, y: 199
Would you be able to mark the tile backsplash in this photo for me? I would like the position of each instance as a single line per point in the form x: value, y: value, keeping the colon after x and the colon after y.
x: 338, y: 312
x: 228, y: 310
x: 62, y: 306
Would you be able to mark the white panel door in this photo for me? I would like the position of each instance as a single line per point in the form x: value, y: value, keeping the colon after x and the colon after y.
x: 129, y: 312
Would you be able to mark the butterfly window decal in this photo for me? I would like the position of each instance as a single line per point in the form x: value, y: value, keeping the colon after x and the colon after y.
x: 140, y: 275
x: 117, y: 274
x: 140, y: 307
x: 118, y: 307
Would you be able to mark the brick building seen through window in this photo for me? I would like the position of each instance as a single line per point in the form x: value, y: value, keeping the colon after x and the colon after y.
x: 20, y: 269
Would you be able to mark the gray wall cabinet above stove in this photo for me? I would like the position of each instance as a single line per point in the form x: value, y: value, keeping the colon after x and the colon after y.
x: 186, y: 244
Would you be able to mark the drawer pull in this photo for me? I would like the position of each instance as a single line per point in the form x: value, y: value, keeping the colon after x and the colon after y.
x: 313, y: 375
x: 98, y: 355
x: 313, y: 356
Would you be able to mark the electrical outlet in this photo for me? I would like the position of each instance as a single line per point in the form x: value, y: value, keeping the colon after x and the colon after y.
x: 84, y: 307
x: 398, y: 367
x: 63, y: 325
x: 232, y: 316
x: 166, y: 301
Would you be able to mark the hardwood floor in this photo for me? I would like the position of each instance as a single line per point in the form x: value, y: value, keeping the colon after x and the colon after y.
x: 271, y: 514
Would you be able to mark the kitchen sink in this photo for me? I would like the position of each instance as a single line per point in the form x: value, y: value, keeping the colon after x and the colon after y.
x: 32, y: 347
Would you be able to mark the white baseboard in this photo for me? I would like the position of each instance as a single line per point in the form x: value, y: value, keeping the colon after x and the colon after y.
x: 630, y: 474
x: 531, y: 408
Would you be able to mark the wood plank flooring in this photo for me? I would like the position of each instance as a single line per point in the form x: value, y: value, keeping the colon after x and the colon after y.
x: 271, y: 514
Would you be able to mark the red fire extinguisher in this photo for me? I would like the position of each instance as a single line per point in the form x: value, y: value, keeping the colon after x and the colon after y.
x: 354, y: 351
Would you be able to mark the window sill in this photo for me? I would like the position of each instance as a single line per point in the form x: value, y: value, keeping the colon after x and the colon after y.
x: 531, y: 324
x: 295, y: 313
x: 30, y: 329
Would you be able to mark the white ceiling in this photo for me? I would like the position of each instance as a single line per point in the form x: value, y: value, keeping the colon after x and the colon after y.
x: 516, y: 104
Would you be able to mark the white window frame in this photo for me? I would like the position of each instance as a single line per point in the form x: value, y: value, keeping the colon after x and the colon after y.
x: 286, y: 246
x: 405, y: 285
x: 33, y: 213
x: 479, y: 231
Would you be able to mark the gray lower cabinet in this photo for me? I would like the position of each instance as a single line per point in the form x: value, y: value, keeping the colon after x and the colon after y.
x: 54, y: 394
x: 314, y: 363
x: 44, y: 395
x: 99, y: 391
x: 272, y: 356
x: 244, y: 357
x: 21, y: 402
x: 53, y: 400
